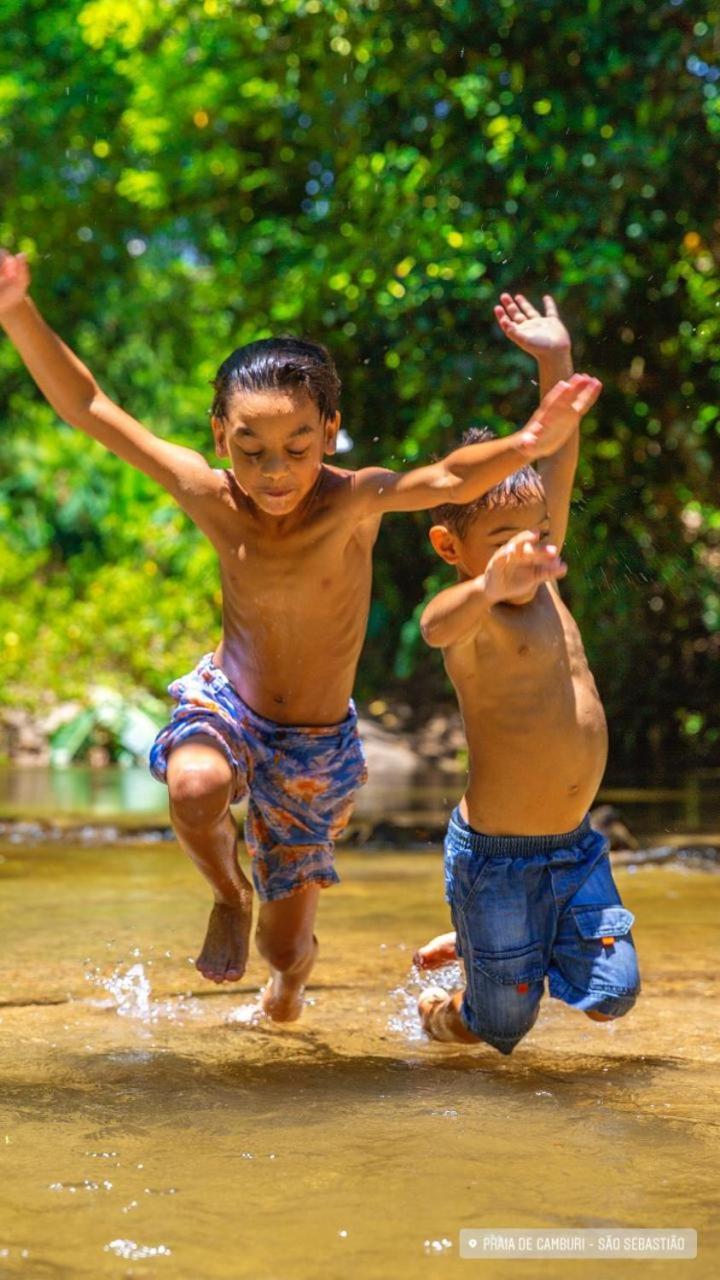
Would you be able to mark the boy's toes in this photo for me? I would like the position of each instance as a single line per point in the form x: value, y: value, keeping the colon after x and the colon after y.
x: 429, y: 998
x: 431, y: 994
x: 440, y: 951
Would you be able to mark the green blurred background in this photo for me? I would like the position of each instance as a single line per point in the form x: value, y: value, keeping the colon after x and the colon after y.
x: 188, y: 176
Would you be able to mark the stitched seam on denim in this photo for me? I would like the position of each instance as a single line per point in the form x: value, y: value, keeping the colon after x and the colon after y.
x: 595, y: 990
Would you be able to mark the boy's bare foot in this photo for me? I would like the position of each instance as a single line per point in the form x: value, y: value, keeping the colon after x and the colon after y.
x: 437, y: 952
x: 440, y: 1016
x: 283, y: 997
x: 224, y: 955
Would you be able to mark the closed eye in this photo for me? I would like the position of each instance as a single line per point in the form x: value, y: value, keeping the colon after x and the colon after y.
x: 290, y: 452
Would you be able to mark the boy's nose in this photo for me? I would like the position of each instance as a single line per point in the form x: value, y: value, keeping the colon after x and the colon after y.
x: 272, y: 467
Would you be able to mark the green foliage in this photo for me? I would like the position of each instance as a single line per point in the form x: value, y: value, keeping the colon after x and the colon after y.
x: 186, y: 176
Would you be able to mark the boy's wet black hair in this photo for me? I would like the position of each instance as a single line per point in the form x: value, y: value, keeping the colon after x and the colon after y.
x: 522, y: 486
x: 279, y: 364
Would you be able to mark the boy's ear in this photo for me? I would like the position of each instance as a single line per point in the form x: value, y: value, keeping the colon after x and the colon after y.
x: 218, y: 430
x: 446, y: 543
x: 332, y: 426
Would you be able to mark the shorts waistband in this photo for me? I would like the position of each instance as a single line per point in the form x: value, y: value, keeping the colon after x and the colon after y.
x: 466, y: 837
x: 263, y: 723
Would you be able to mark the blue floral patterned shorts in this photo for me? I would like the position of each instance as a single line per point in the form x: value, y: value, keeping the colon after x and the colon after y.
x: 299, y: 779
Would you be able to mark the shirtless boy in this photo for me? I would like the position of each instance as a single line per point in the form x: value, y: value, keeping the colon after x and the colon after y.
x: 527, y: 903
x: 268, y: 714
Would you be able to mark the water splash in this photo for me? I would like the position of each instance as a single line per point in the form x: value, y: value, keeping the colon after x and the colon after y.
x: 129, y: 988
x: 406, y: 1021
x: 249, y: 1015
x: 130, y: 991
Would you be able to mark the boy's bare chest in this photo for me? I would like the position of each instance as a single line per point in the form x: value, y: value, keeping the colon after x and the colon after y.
x: 531, y: 637
x: 315, y: 561
x: 538, y: 646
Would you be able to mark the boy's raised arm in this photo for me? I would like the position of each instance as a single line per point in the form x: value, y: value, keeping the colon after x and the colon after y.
x: 76, y: 397
x: 454, y: 615
x: 467, y: 473
x: 545, y: 338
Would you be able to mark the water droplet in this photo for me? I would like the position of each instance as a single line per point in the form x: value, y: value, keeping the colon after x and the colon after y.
x: 135, y: 1252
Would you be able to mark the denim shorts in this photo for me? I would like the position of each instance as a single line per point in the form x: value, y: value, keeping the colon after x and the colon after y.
x: 530, y: 907
x: 299, y: 779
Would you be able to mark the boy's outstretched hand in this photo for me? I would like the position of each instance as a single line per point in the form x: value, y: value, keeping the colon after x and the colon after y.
x: 558, y: 415
x: 14, y: 279
x: 539, y: 335
x: 519, y: 566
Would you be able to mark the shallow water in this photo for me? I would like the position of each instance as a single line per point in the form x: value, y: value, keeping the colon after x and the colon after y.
x: 155, y: 1125
x: 657, y: 813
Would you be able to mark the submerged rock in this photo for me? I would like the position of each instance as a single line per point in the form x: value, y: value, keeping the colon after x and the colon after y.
x: 606, y: 819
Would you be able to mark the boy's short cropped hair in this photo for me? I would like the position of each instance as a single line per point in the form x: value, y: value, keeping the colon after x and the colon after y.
x: 522, y: 486
x: 279, y: 364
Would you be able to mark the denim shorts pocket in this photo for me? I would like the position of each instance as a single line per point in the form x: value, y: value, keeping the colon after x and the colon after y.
x: 464, y: 877
x: 606, y: 952
x: 522, y: 966
x: 595, y: 923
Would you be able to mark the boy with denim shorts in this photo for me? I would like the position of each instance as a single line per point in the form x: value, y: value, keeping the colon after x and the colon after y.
x: 528, y: 880
x: 268, y: 714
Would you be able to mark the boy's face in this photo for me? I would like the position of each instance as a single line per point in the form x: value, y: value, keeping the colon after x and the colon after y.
x: 275, y: 441
x: 489, y: 531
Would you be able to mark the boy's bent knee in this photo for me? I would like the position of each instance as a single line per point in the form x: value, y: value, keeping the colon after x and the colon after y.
x: 504, y: 1037
x: 284, y: 954
x: 611, y: 1008
x: 199, y: 781
x: 504, y: 1044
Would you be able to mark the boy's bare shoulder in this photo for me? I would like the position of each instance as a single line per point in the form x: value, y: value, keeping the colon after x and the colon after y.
x: 213, y: 500
x: 338, y: 508
x: 197, y: 478
x: 228, y: 490
x: 342, y: 488
x: 369, y: 480
x: 365, y: 486
x: 337, y: 481
x: 366, y: 476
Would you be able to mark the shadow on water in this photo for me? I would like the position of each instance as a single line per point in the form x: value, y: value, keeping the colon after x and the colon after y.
x: 310, y: 1071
